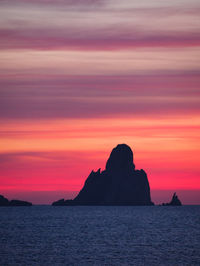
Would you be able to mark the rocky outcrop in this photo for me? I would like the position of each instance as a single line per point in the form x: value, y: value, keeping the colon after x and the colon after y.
x: 60, y: 202
x: 63, y: 202
x: 3, y: 201
x: 175, y: 201
x: 19, y: 203
x: 6, y: 202
x: 118, y: 184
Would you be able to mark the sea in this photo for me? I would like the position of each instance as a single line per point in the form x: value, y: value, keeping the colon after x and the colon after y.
x: 100, y: 235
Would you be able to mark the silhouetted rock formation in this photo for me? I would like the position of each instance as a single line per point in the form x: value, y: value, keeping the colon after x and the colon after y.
x: 63, y: 202
x: 19, y: 203
x: 6, y: 202
x: 174, y: 201
x: 60, y: 202
x: 3, y: 201
x: 119, y: 184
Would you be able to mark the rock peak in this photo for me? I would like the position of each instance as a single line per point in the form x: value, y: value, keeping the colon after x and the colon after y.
x: 121, y: 158
x: 175, y: 201
x: 118, y: 184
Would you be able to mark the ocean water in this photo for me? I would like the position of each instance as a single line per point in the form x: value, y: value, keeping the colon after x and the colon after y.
x: 153, y: 235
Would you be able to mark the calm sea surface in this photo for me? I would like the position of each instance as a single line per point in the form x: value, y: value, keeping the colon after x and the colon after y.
x: 46, y: 235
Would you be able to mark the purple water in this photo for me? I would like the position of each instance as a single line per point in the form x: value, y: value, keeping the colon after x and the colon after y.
x: 46, y: 235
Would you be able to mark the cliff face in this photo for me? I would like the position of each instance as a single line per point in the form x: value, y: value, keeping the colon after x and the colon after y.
x: 119, y: 184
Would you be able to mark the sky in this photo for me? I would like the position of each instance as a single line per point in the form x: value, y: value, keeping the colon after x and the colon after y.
x: 78, y: 77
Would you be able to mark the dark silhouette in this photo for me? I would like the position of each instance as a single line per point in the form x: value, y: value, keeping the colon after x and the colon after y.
x: 6, y: 202
x: 174, y: 201
x: 3, y: 201
x: 63, y: 202
x: 60, y: 202
x: 19, y: 203
x: 118, y: 184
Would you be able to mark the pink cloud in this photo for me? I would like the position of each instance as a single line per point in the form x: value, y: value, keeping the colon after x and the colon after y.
x: 100, y: 96
x: 56, y: 39
x: 97, y: 25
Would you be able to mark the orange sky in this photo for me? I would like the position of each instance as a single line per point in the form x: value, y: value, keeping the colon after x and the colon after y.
x: 53, y: 155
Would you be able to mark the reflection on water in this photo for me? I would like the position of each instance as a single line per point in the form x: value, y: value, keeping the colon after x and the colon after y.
x: 46, y: 235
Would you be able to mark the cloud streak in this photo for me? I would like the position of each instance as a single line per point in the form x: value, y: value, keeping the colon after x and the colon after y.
x: 97, y: 25
x: 81, y: 107
x: 79, y: 77
x: 50, y: 40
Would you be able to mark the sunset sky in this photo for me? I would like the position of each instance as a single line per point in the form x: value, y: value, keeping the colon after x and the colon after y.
x: 78, y: 77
